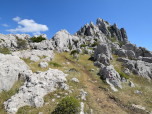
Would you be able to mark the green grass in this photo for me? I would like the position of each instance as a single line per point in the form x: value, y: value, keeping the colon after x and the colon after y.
x: 5, y: 50
x: 122, y: 75
x: 74, y: 52
x: 55, y: 64
x: 94, y: 44
x: 83, y: 45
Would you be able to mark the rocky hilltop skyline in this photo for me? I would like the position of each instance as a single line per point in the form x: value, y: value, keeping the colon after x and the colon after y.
x: 96, y: 56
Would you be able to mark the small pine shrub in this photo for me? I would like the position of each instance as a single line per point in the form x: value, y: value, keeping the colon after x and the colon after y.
x: 121, y: 43
x: 5, y: 50
x: 70, y: 47
x: 68, y: 105
x: 95, y: 44
x: 95, y: 34
x: 54, y: 64
x: 83, y: 45
x: 37, y: 39
x: 74, y: 52
x: 96, y: 40
x: 112, y: 49
x: 122, y: 75
x: 107, y: 22
x: 22, y: 44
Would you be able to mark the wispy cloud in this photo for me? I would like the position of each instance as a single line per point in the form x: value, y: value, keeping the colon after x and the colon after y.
x: 5, y: 25
x: 17, y: 19
x: 26, y: 25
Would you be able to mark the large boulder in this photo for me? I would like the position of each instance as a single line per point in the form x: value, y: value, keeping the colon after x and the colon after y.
x: 102, y: 58
x: 36, y: 86
x: 10, y: 67
x: 108, y: 72
x: 64, y: 39
x: 102, y: 48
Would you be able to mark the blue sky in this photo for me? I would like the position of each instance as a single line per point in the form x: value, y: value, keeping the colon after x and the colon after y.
x: 50, y: 16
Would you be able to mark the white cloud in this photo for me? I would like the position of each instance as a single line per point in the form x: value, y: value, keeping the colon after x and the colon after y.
x: 26, y: 25
x: 5, y: 25
x: 17, y: 19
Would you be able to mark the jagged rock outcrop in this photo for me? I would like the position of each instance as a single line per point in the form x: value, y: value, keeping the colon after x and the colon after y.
x: 108, y: 72
x: 63, y: 39
x: 36, y: 86
x: 102, y: 58
x: 138, y: 67
x: 10, y: 67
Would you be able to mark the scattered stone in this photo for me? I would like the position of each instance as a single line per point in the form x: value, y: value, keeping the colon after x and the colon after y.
x: 66, y: 94
x: 138, y: 92
x: 34, y: 58
x: 40, y: 112
x: 53, y: 100
x: 126, y: 71
x: 123, y: 80
x: 91, y: 111
x: 68, y: 63
x: 70, y: 91
x: 43, y: 64
x: 92, y: 70
x: 131, y: 84
x: 138, y: 106
x: 82, y: 108
x: 75, y: 80
x: 55, y: 94
x: 63, y: 63
x: 58, y: 96
x: 83, y: 94
x: 46, y: 103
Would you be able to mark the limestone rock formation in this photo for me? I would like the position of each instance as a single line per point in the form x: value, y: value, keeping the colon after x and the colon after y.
x: 35, y: 87
x: 10, y: 67
x: 113, y: 76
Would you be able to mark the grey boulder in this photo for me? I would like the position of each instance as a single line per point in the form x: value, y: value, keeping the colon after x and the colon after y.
x: 43, y: 64
x: 10, y: 67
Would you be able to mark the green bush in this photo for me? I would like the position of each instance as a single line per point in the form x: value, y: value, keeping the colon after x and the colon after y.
x: 22, y: 44
x: 95, y: 44
x: 68, y: 105
x: 74, y: 52
x: 107, y: 22
x: 122, y: 75
x: 37, y: 39
x: 5, y: 50
x: 70, y: 47
x: 83, y: 45
x: 112, y: 49
x: 121, y: 43
x: 96, y: 40
x: 55, y: 64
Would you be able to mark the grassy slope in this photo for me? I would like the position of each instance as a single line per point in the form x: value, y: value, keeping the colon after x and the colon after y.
x: 100, y: 98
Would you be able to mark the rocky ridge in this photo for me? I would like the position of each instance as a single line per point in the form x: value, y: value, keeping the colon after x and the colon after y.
x: 101, y: 40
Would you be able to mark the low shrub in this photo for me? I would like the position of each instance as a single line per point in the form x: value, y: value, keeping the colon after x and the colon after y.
x: 5, y: 50
x: 96, y: 40
x: 83, y: 45
x: 95, y: 44
x: 74, y: 52
x: 55, y: 64
x: 122, y: 75
x: 70, y: 47
x: 121, y: 43
x: 37, y: 39
x: 112, y: 49
x: 22, y: 44
x: 68, y: 105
